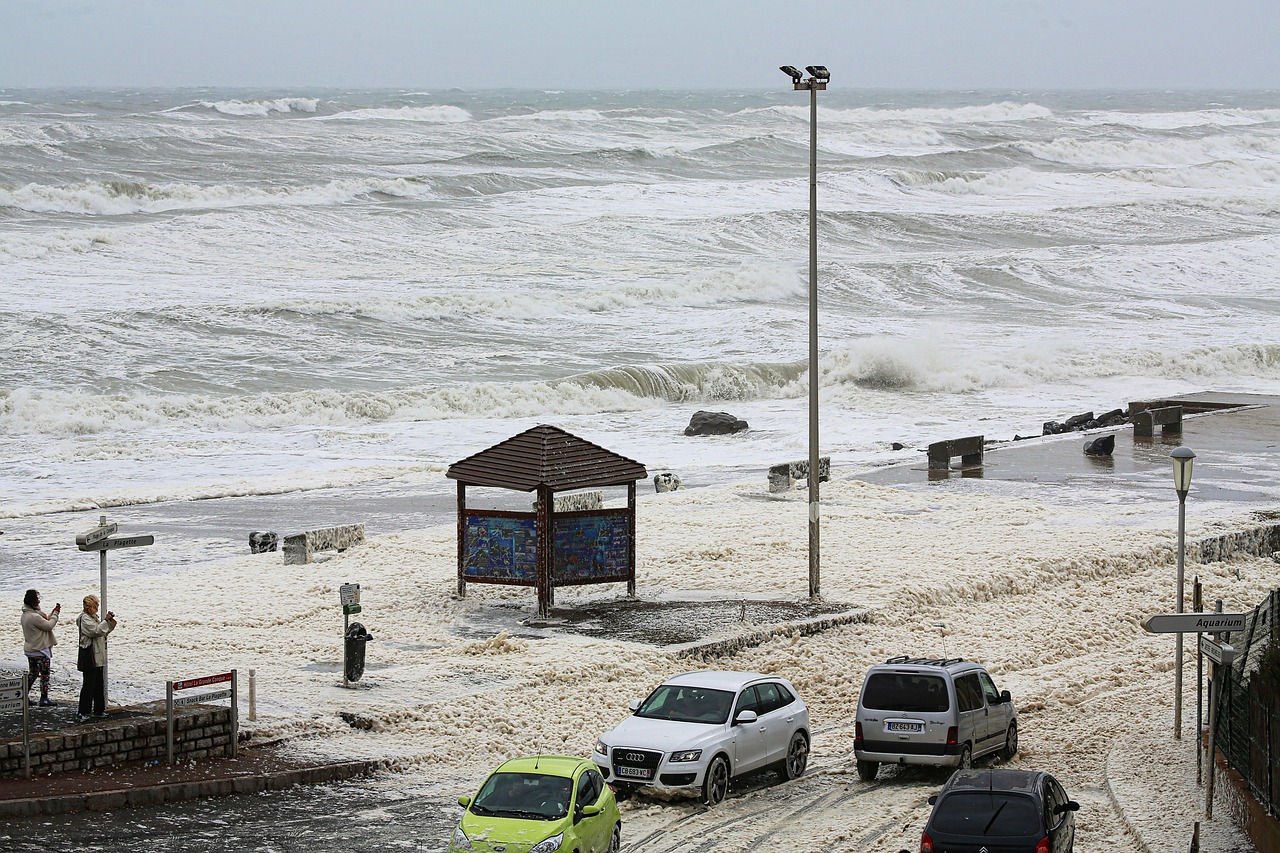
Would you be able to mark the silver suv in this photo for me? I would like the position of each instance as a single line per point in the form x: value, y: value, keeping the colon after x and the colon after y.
x: 925, y: 711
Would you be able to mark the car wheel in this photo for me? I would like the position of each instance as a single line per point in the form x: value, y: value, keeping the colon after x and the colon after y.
x: 616, y: 844
x: 716, y: 785
x: 797, y: 757
x: 1010, y: 742
x: 867, y: 770
x: 966, y: 758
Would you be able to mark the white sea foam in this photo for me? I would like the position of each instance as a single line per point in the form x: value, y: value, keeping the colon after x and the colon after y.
x: 987, y: 113
x: 263, y: 107
x: 271, y: 271
x: 442, y: 114
x: 1149, y: 152
x: 115, y: 198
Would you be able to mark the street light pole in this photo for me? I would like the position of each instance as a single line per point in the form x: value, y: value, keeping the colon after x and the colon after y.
x: 1182, y: 462
x: 817, y: 81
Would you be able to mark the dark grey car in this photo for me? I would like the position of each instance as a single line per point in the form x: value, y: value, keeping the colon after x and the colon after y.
x: 1000, y: 811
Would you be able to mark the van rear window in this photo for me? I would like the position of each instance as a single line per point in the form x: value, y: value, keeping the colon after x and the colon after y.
x: 905, y: 691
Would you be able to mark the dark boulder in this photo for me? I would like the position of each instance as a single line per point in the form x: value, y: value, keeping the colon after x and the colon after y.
x: 667, y: 482
x: 714, y: 423
x: 261, y: 542
x: 1100, y: 446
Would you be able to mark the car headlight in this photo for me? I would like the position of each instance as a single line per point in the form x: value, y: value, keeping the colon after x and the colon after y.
x: 460, y: 840
x: 552, y: 843
x: 686, y: 755
x: 602, y: 748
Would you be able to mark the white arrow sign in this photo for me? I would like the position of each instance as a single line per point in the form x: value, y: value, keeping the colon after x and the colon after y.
x: 18, y: 682
x: 12, y: 706
x: 118, y: 542
x: 1190, y: 623
x: 98, y: 533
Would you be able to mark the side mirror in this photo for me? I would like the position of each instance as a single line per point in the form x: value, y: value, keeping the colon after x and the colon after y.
x: 634, y: 705
x: 933, y: 799
x: 590, y: 811
x: 464, y: 801
x: 1072, y: 806
x: 745, y: 717
x: 1005, y: 698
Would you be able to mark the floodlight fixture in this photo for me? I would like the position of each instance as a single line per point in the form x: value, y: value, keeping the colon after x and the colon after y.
x: 818, y: 72
x: 793, y: 71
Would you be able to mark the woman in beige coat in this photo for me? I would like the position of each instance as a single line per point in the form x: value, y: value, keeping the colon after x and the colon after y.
x: 93, y: 657
x: 38, y: 642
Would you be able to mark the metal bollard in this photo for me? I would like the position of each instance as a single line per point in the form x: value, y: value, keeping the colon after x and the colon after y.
x: 253, y: 696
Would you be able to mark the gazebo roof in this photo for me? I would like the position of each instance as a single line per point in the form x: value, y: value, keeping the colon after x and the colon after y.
x: 546, y: 456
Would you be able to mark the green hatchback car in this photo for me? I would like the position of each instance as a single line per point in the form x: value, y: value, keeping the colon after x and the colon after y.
x: 541, y: 804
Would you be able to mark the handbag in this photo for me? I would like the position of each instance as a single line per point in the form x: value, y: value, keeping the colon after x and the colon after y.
x: 85, y: 660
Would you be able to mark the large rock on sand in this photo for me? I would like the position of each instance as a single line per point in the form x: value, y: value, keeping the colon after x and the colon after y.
x: 714, y: 423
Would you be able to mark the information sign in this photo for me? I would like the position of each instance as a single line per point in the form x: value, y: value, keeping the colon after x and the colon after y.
x: 203, y: 697
x: 1220, y: 653
x: 349, y: 593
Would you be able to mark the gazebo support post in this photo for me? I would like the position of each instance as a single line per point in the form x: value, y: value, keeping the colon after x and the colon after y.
x: 631, y: 535
x: 462, y: 535
x: 544, y: 551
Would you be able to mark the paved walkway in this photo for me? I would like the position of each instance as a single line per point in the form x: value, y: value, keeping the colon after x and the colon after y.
x: 1152, y: 780
x: 256, y: 768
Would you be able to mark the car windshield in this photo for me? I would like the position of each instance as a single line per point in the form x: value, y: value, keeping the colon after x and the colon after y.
x: 984, y: 814
x: 687, y: 704
x: 905, y: 691
x: 534, y: 796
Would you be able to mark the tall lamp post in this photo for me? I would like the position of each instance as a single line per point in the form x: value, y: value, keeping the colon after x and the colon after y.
x: 1183, y: 458
x: 816, y: 82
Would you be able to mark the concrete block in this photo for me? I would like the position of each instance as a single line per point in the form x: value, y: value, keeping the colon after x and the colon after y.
x: 300, y: 548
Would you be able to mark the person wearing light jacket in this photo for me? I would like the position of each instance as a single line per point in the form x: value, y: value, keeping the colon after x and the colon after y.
x: 93, y: 657
x: 38, y: 642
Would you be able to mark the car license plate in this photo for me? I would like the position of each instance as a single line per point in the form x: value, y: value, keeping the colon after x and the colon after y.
x: 635, y: 772
x: 905, y: 727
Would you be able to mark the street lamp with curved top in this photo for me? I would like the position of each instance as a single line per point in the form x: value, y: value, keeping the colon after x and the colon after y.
x: 816, y: 82
x: 1183, y: 459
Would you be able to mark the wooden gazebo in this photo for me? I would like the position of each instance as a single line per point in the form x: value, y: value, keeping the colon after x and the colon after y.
x: 544, y: 548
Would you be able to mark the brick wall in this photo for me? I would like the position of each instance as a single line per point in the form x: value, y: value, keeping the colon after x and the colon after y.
x: 200, y: 731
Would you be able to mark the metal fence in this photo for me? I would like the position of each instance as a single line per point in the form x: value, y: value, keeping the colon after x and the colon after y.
x: 1248, y: 725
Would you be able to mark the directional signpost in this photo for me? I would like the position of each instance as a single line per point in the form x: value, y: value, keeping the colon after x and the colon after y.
x: 100, y: 539
x: 13, y: 697
x: 1192, y: 623
x: 1220, y: 653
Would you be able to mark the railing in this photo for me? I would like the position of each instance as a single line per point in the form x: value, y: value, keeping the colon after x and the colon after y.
x: 1248, y: 724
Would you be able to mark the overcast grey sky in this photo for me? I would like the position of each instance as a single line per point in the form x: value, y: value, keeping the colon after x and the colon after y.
x: 572, y: 44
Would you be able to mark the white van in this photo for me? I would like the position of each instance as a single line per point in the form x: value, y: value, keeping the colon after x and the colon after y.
x: 926, y: 711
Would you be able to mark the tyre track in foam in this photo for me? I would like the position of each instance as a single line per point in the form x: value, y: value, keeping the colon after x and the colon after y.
x: 820, y: 801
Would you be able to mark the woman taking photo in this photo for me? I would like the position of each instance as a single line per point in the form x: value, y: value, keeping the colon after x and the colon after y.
x: 38, y: 643
x: 93, y: 657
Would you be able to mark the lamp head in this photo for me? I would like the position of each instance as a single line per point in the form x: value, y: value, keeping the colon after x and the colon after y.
x: 818, y: 72
x: 793, y: 71
x: 1183, y: 459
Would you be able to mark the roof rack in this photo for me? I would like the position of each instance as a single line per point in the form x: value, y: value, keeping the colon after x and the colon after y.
x: 925, y: 661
